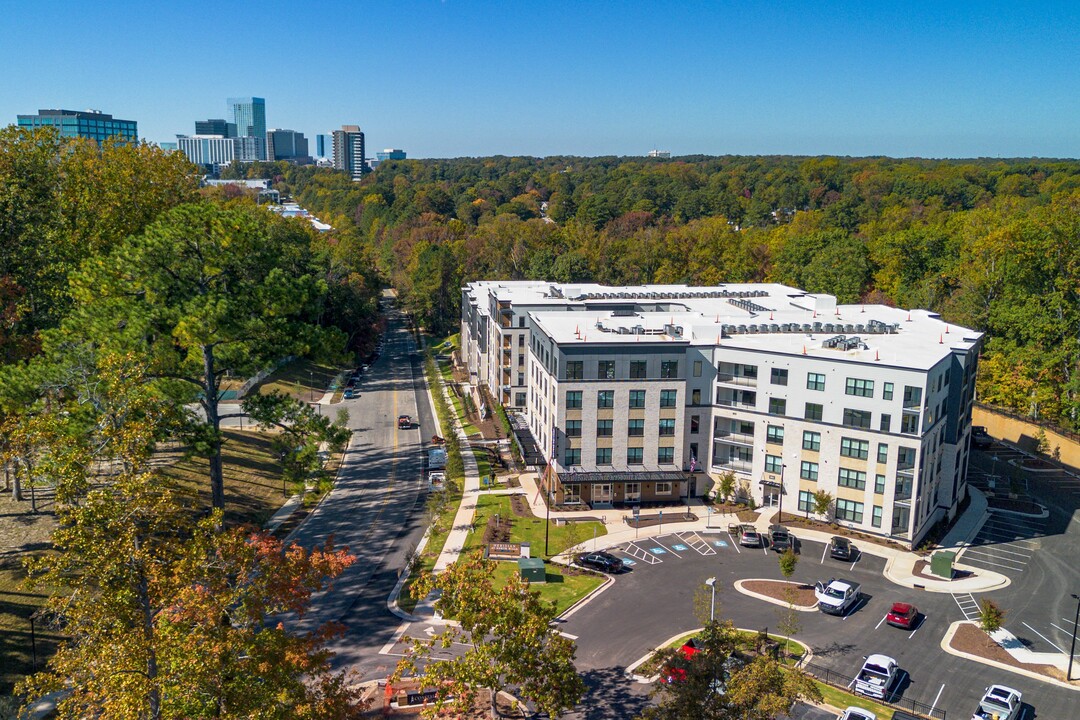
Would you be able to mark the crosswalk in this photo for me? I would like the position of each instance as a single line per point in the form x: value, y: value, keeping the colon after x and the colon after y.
x: 968, y: 605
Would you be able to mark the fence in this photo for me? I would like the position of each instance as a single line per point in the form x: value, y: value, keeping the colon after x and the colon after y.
x: 831, y: 677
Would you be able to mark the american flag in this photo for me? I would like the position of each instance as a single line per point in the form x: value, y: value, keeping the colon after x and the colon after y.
x: 693, y: 463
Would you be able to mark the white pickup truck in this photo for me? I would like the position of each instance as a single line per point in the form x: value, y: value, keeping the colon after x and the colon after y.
x: 877, y: 676
x: 999, y: 703
x: 836, y: 597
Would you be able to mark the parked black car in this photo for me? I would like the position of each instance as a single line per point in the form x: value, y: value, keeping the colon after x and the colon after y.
x: 980, y: 438
x: 602, y: 561
x: 841, y: 548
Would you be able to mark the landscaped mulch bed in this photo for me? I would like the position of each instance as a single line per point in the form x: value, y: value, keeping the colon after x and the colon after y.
x: 779, y: 590
x: 799, y: 521
x: 650, y: 520
x: 922, y: 569
x: 971, y: 639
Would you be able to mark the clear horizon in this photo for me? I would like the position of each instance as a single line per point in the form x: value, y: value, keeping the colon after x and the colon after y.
x: 452, y: 79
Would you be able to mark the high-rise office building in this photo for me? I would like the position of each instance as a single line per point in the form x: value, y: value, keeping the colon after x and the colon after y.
x: 390, y: 154
x: 287, y: 145
x: 210, y: 151
x: 220, y: 127
x: 324, y: 146
x: 90, y: 124
x: 349, y: 151
x: 249, y: 116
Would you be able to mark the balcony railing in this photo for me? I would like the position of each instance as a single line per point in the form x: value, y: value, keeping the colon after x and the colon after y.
x: 738, y: 466
x: 736, y: 404
x: 740, y: 380
x: 733, y: 437
x: 903, y: 492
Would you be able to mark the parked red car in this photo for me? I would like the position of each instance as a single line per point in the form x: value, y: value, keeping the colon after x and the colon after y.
x: 903, y: 615
x: 678, y: 674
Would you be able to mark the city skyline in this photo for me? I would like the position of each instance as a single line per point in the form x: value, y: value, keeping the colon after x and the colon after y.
x: 447, y: 79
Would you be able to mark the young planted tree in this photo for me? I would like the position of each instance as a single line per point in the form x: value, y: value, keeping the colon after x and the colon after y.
x: 823, y: 504
x: 203, y: 293
x: 726, y: 486
x: 510, y: 642
x: 787, y: 619
x: 991, y: 616
x: 788, y: 560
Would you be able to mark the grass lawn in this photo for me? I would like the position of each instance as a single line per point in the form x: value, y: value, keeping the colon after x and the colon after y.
x: 842, y: 699
x: 483, y: 465
x: 529, y: 529
x: 252, y: 475
x: 564, y: 589
x: 432, y: 550
x: 16, y: 606
x: 302, y: 379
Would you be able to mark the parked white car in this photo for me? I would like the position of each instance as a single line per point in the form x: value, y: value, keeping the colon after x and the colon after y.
x: 999, y: 703
x: 856, y: 713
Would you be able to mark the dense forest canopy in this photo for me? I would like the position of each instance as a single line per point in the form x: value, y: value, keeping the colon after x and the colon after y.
x: 990, y: 244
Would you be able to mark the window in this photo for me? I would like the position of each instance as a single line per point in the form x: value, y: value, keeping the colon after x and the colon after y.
x: 879, y: 484
x: 521, y: 379
x: 882, y: 453
x: 521, y: 341
x: 572, y: 457
x: 634, y: 456
x: 859, y: 387
x: 573, y: 400
x: 806, y: 501
x: 912, y: 396
x: 573, y: 428
x: 774, y: 464
x: 886, y: 423
x: 695, y: 397
x: 774, y: 434
x: 778, y: 376
x: 815, y: 381
x: 811, y: 440
x: 808, y: 470
x: 665, y: 455
x: 637, y: 398
x: 519, y: 399
x: 813, y: 411
x: 858, y: 449
x: 697, y: 368
x: 777, y: 406
x: 663, y: 488
x: 635, y: 427
x: 603, y: 456
x: 669, y: 369
x: 909, y: 423
x: 637, y: 369
x: 605, y: 369
x: 667, y: 427
x: 849, y: 510
x: 857, y: 418
x: 605, y: 398
x: 521, y: 322
x: 887, y: 391
x: 575, y: 370
x: 604, y: 428
x: 749, y: 371
x: 695, y: 424
x: 521, y: 361
x: 852, y: 479
x: 668, y: 398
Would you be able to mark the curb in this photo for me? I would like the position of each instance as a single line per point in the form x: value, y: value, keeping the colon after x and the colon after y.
x: 608, y: 582
x: 946, y: 645
x: 392, y: 598
x: 801, y: 608
x: 1038, y: 516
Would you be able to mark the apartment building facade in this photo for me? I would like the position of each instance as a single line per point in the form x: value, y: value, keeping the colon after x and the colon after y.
x: 652, y: 393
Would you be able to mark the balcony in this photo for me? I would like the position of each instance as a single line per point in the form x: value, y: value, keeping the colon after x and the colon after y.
x: 729, y: 436
x: 734, y: 465
x: 737, y: 380
x: 737, y: 404
x: 903, y: 492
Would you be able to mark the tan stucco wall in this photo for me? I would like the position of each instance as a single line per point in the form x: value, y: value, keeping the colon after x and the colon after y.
x: 1025, y: 434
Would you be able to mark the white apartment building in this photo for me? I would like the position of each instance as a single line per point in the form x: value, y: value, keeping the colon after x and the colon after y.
x: 651, y: 393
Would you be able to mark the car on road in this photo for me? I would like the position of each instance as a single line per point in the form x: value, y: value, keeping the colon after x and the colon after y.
x: 779, y: 538
x: 436, y: 480
x: 602, y: 561
x: 749, y: 537
x: 351, y: 393
x: 840, y: 548
x: 404, y: 422
x: 856, y: 713
x: 999, y: 703
x: 980, y: 439
x: 902, y: 615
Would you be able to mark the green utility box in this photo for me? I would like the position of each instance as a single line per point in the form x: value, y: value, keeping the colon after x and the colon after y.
x: 532, y: 569
x: 941, y: 563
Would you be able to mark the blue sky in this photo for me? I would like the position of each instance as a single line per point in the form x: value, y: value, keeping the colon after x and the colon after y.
x: 452, y: 78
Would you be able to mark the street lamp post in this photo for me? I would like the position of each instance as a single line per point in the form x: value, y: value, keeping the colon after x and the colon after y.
x: 711, y: 582
x: 1072, y: 648
x: 781, y: 513
x: 311, y: 384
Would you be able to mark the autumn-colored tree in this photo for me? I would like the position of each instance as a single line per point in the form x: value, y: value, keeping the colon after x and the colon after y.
x: 167, y: 615
x: 509, y: 637
x: 788, y: 560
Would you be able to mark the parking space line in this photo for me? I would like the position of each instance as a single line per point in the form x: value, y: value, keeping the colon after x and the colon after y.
x: 1042, y: 636
x: 823, y: 554
x: 922, y: 621
x: 1004, y: 549
x: 932, y: 707
x: 1018, y: 568
x: 987, y: 553
x: 666, y: 548
x: 735, y: 544
x: 880, y: 621
x: 1060, y: 628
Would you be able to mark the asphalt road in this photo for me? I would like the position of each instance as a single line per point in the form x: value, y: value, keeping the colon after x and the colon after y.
x: 376, y: 508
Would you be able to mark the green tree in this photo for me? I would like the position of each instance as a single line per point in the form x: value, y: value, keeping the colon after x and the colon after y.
x: 823, y: 503
x: 203, y: 293
x: 991, y: 616
x: 726, y: 486
x: 509, y: 637
x: 787, y: 619
x: 788, y: 560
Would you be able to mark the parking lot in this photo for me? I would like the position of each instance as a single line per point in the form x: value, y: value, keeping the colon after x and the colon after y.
x: 1005, y: 543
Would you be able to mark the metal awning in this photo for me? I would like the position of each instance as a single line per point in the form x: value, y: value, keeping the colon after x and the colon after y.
x: 530, y: 449
x: 587, y: 478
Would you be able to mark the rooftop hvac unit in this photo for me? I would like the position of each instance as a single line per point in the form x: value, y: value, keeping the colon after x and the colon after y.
x: 849, y: 328
x: 829, y: 327
x: 817, y: 327
x: 860, y: 328
x: 774, y: 327
x: 624, y: 331
x: 752, y: 328
x: 806, y: 327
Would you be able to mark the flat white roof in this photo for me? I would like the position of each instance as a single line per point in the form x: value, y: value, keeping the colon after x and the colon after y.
x: 763, y: 317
